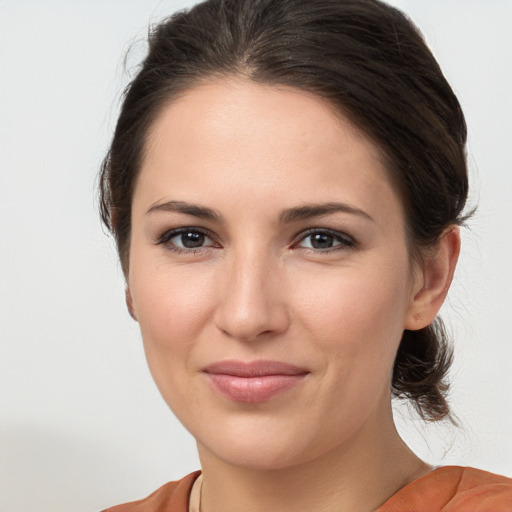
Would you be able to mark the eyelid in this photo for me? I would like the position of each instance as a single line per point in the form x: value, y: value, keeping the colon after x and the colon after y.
x: 167, y: 235
x: 346, y: 241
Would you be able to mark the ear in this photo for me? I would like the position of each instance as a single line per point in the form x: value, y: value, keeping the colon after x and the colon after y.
x: 129, y: 303
x: 433, y: 280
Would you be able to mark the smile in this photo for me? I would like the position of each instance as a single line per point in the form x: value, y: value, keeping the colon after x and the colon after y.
x: 253, y: 382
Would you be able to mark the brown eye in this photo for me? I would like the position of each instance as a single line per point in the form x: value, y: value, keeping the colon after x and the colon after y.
x: 322, y: 241
x: 191, y: 240
x: 325, y: 240
x: 184, y: 239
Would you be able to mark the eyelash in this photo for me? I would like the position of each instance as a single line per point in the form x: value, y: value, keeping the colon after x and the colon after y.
x: 165, y: 239
x: 344, y: 241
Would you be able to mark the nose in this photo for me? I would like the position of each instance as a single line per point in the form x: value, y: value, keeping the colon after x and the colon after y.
x: 251, y: 300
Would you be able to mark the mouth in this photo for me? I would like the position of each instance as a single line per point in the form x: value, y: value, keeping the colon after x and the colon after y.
x: 253, y: 382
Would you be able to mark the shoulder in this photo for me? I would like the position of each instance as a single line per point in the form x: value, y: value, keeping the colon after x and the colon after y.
x: 454, y: 489
x: 171, y: 497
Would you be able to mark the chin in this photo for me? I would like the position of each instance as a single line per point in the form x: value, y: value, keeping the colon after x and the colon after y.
x: 261, y: 446
x: 259, y: 456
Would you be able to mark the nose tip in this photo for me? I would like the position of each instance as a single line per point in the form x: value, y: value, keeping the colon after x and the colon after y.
x: 251, y: 306
x: 248, y: 329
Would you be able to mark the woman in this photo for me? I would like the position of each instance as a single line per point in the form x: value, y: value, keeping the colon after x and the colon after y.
x: 285, y: 186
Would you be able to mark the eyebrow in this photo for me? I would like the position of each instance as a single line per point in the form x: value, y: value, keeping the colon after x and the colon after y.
x: 188, y: 209
x: 287, y: 216
x: 309, y: 211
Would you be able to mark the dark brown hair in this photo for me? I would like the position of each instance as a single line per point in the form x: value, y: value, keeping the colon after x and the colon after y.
x: 372, y: 64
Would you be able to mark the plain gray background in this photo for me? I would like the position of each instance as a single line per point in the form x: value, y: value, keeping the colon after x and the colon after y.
x: 82, y: 426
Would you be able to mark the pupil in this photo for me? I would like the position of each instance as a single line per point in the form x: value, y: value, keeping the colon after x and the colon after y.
x: 191, y: 240
x: 321, y: 241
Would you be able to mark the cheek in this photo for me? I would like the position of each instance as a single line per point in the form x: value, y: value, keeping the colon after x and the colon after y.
x: 356, y: 314
x: 355, y: 319
x: 171, y: 304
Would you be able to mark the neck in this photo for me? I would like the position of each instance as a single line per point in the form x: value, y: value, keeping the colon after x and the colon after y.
x: 359, y: 475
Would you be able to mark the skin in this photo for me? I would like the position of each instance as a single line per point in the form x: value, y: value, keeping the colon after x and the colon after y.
x: 257, y: 289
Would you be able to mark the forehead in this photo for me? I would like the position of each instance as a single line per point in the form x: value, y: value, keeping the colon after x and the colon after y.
x: 241, y: 110
x: 277, y: 142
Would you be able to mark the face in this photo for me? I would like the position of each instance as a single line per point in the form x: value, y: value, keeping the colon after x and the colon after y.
x: 269, y: 273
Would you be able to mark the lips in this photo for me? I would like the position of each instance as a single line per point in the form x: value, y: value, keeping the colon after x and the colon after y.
x: 253, y: 382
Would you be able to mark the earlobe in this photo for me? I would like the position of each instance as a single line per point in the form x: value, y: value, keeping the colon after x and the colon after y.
x: 129, y: 303
x: 434, y: 280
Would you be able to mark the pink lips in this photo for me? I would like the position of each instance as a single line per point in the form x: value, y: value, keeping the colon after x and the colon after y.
x: 253, y: 382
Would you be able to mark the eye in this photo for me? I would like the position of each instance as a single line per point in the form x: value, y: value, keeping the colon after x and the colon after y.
x: 186, y: 239
x: 324, y: 240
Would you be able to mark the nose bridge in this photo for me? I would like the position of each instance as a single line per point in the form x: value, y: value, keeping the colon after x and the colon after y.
x: 250, y: 303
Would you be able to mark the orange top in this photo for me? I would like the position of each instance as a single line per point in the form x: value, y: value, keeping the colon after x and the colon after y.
x: 453, y: 489
x: 447, y: 489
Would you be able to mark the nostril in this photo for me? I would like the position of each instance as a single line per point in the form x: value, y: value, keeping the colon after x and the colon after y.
x: 249, y: 327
